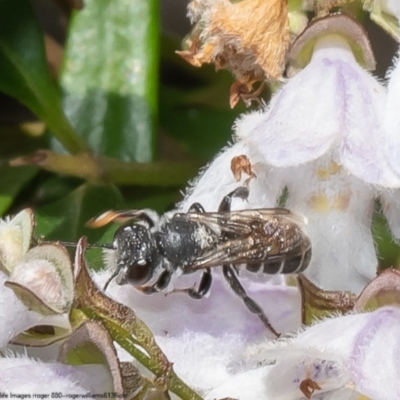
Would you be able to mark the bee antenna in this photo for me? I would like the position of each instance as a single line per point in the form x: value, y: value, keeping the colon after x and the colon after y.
x: 89, y: 246
x: 114, y: 274
x: 101, y: 246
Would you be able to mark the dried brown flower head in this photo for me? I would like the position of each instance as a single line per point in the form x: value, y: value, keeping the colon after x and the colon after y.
x: 249, y: 37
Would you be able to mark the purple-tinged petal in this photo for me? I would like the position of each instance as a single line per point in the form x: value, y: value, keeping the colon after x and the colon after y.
x: 333, y: 102
x: 374, y: 360
x: 21, y: 375
x: 363, y: 137
x: 290, y: 373
x: 370, y: 345
x: 392, y: 117
x: 302, y: 121
x: 205, y: 338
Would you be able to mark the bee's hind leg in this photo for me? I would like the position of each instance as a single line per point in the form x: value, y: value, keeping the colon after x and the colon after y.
x: 225, y: 204
x: 236, y: 286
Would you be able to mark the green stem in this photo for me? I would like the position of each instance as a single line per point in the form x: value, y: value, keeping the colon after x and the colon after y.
x: 125, y: 327
x: 103, y: 169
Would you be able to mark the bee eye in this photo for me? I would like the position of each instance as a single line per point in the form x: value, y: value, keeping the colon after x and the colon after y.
x: 139, y: 272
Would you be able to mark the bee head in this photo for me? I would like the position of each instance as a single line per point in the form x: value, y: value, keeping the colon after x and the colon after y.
x: 136, y: 255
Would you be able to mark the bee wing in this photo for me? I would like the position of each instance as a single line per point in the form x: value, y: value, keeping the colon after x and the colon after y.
x: 240, y: 222
x: 231, y: 252
x: 244, y: 223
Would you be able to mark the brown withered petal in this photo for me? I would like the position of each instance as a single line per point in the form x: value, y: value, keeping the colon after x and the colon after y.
x: 340, y: 24
x: 241, y: 164
x: 31, y: 300
x: 322, y: 7
x: 242, y: 91
x: 308, y: 387
x: 383, y: 290
x: 250, y: 37
x: 91, y: 343
x: 42, y: 335
x: 318, y: 303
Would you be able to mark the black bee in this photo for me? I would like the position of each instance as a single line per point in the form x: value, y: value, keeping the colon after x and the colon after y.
x: 271, y: 241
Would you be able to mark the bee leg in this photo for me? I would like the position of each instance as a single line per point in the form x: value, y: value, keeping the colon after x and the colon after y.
x: 203, y: 288
x: 197, y: 207
x: 236, y: 286
x: 225, y: 204
x: 162, y: 282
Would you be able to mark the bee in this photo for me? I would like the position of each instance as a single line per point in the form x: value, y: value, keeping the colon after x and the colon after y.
x: 153, y: 249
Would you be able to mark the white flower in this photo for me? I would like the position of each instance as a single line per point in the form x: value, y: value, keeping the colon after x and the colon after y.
x: 346, y: 357
x: 333, y: 106
x: 323, y: 134
x: 16, y: 318
x: 392, y: 117
x: 217, y: 180
x: 205, y: 339
x: 24, y: 376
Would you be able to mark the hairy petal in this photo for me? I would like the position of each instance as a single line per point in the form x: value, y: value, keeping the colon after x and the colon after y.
x: 332, y: 103
x: 217, y: 180
x: 392, y: 117
x: 22, y: 375
x: 205, y: 338
x: 342, y: 358
x: 16, y: 318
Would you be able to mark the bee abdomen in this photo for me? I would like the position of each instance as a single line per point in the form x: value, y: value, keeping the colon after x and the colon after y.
x: 283, y: 265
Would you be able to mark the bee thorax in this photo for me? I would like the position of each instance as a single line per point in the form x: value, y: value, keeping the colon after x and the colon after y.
x: 183, y: 241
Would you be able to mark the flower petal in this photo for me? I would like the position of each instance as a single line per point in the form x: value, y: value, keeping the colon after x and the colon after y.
x: 361, y: 149
x: 218, y: 179
x: 205, y: 338
x: 15, y: 238
x: 333, y: 102
x: 392, y: 117
x: 297, y: 127
x: 26, y: 376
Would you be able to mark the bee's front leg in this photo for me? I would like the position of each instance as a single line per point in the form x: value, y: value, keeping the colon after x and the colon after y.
x: 161, y: 284
x: 203, y: 288
x: 241, y: 192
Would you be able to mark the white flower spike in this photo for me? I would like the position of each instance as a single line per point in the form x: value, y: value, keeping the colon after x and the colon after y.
x: 339, y: 358
x: 323, y: 134
x: 332, y: 107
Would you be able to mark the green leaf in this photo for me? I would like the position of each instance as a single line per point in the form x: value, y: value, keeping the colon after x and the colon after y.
x: 21, y: 139
x: 194, y: 109
x: 110, y: 77
x: 202, y: 130
x: 12, y: 181
x: 388, y: 249
x: 24, y: 72
x: 64, y: 219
